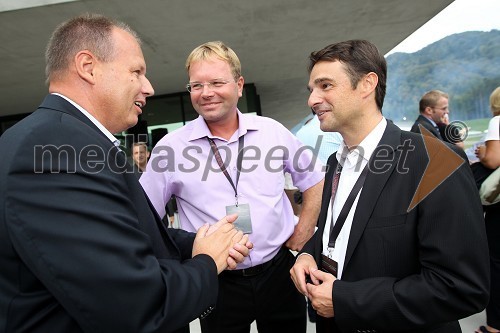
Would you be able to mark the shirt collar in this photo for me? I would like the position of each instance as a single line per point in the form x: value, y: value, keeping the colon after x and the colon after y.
x: 366, y: 148
x: 431, y: 121
x: 201, y: 130
x: 103, y: 129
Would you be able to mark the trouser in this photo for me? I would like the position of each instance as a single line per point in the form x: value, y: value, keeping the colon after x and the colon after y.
x: 269, y: 297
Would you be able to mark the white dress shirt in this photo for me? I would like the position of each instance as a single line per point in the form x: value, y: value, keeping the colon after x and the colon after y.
x: 353, y: 165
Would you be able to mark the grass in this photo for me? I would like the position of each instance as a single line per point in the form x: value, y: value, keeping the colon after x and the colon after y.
x: 477, y: 128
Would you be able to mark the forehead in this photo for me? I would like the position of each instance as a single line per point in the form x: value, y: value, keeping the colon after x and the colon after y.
x: 327, y: 70
x: 127, y: 46
x: 207, y: 69
x: 442, y: 101
x: 139, y: 148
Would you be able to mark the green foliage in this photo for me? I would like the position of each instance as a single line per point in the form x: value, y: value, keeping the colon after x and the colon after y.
x: 465, y: 65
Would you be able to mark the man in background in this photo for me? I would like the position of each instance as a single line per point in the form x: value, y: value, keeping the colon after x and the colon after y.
x: 140, y: 155
x: 434, y: 116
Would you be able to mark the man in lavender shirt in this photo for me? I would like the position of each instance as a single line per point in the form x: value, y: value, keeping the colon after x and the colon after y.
x: 186, y: 163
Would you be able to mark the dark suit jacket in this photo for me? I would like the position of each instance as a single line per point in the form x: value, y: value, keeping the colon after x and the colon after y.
x: 419, y: 270
x: 81, y: 249
x: 421, y: 120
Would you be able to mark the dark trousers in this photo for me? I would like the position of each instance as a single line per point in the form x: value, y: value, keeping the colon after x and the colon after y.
x: 492, y: 220
x: 269, y: 297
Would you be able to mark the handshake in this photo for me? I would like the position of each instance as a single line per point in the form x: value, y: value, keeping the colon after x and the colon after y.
x: 226, y: 245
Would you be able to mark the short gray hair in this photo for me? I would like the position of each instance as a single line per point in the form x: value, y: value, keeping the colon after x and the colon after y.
x: 85, y: 32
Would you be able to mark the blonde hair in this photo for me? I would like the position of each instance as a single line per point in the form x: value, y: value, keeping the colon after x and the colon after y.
x: 430, y: 99
x: 495, y: 102
x: 219, y: 50
x: 140, y: 144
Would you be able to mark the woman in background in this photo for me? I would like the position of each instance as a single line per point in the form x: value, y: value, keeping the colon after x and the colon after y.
x: 489, y: 156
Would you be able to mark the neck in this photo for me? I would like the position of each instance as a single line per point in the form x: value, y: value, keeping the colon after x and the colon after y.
x: 224, y: 129
x: 355, y: 135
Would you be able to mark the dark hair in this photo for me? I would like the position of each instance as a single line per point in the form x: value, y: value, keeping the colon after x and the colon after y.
x: 360, y: 57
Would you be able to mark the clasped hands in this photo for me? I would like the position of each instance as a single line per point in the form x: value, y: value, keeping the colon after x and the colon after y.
x: 223, y: 242
x: 320, y: 290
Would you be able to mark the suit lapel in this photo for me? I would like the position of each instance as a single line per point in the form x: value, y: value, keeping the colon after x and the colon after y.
x: 374, y: 183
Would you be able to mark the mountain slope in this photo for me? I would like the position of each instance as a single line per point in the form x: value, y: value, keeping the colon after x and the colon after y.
x: 464, y: 65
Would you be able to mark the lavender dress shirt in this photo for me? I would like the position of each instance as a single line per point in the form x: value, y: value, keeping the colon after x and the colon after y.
x: 183, y: 164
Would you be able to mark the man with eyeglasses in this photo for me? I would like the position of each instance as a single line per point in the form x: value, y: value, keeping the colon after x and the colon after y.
x: 434, y: 110
x: 226, y: 161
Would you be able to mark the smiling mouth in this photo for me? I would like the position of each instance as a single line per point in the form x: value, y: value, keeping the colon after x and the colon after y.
x: 210, y: 104
x: 319, y: 113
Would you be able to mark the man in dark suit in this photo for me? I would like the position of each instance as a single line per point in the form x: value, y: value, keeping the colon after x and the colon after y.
x: 434, y: 110
x: 388, y: 255
x: 81, y: 249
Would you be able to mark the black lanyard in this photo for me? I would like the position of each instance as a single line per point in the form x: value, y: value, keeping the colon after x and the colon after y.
x: 335, y: 229
x: 222, y: 166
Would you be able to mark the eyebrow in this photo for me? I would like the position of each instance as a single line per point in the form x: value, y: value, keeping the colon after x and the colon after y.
x: 320, y: 80
x: 216, y: 79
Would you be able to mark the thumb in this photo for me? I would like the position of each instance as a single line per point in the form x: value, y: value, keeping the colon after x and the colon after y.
x: 231, y: 218
x: 317, y: 275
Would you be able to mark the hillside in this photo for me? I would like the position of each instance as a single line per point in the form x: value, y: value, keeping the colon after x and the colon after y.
x: 465, y: 65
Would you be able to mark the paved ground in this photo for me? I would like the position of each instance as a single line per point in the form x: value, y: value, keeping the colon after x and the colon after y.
x: 468, y: 324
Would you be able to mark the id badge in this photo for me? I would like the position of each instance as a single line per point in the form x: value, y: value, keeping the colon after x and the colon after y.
x: 243, y: 222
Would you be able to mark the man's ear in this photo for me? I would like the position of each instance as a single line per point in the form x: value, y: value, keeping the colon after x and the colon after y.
x: 85, y: 63
x: 369, y: 83
x: 428, y: 111
x: 240, y: 83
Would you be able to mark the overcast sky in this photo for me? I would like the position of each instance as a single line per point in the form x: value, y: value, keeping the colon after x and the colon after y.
x: 460, y: 16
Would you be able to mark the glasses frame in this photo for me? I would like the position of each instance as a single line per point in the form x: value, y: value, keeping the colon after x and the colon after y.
x: 446, y: 108
x: 211, y: 85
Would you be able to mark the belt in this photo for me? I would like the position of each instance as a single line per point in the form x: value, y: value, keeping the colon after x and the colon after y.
x: 257, y: 269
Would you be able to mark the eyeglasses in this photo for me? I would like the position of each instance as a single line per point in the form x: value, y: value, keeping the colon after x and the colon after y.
x: 442, y: 109
x: 198, y: 86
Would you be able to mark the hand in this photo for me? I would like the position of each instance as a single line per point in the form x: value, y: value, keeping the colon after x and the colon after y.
x: 218, y: 242
x: 480, y: 151
x: 300, y: 236
x: 226, y: 219
x: 303, y: 266
x: 445, y: 119
x: 239, y: 252
x: 320, y: 294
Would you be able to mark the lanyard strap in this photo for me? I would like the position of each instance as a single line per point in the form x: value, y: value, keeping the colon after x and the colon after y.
x: 222, y: 166
x: 335, y: 229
